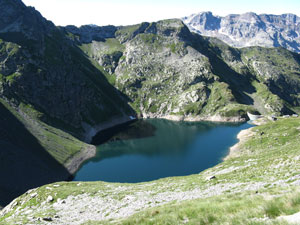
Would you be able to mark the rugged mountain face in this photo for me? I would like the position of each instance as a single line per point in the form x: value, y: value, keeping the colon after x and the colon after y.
x: 50, y: 95
x: 167, y: 71
x: 249, y: 29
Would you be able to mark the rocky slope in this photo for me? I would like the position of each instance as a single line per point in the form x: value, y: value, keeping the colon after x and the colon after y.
x: 249, y: 29
x: 167, y: 71
x: 50, y: 96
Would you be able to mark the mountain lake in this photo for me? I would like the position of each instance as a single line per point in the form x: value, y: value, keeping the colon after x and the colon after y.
x: 155, y: 148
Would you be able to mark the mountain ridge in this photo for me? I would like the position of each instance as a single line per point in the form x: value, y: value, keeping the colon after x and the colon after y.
x: 249, y: 29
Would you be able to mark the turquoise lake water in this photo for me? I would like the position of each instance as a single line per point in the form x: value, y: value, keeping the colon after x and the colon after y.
x: 156, y: 148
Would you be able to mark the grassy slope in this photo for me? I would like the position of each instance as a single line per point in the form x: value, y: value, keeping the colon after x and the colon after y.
x: 246, y: 208
x: 283, y: 67
x: 32, y: 152
x: 95, y: 50
x: 60, y: 145
x: 263, y: 74
x: 47, y: 95
x: 275, y: 149
x: 258, y: 183
x: 52, y: 132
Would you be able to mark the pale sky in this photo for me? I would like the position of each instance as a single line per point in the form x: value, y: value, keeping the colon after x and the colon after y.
x: 118, y: 12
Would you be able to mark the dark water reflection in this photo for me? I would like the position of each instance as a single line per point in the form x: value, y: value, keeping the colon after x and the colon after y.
x: 156, y: 148
x: 131, y: 130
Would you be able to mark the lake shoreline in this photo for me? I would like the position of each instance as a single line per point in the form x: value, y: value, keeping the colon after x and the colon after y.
x: 89, y: 152
x: 179, y: 133
x: 214, y: 118
x: 242, y: 137
x: 91, y: 131
x: 74, y: 164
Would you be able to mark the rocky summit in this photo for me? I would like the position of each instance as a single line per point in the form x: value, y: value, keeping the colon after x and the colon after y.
x: 249, y: 29
x: 59, y: 86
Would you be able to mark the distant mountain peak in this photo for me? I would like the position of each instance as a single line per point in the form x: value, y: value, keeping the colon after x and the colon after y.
x: 249, y: 29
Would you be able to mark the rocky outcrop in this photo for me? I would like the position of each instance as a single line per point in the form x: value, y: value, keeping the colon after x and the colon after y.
x: 168, y: 72
x: 249, y: 29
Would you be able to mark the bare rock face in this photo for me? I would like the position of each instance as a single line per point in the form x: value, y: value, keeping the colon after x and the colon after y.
x: 166, y: 75
x: 249, y: 29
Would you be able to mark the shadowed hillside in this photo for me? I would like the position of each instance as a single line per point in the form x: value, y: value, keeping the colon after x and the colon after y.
x: 25, y: 163
x: 52, y: 99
